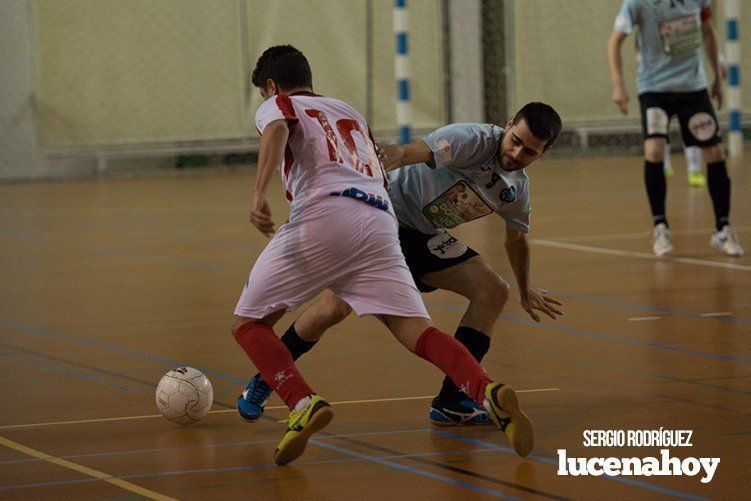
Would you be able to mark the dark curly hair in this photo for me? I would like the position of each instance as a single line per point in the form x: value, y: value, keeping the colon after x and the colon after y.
x: 285, y: 65
x: 542, y: 120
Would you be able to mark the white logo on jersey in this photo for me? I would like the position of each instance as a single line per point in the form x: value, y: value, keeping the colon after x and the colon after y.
x: 702, y: 126
x: 445, y: 246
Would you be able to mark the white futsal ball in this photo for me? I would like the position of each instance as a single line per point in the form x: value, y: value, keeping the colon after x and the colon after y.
x: 184, y: 395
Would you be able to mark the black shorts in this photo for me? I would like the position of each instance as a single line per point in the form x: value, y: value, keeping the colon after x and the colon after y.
x: 428, y: 253
x: 695, y: 112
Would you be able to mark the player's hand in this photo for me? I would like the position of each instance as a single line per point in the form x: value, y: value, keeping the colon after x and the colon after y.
x: 380, y: 152
x: 260, y: 215
x: 717, y: 92
x: 620, y: 98
x: 538, y: 299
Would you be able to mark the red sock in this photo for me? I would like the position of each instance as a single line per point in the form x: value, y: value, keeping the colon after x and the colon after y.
x: 455, y: 361
x: 273, y: 361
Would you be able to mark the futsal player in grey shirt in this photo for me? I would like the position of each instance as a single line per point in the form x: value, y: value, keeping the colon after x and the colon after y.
x: 671, y: 81
x: 456, y: 174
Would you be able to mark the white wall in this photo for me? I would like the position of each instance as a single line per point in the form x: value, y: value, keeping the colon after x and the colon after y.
x: 20, y: 156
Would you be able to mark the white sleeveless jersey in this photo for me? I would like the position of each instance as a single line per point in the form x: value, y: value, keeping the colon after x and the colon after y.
x: 330, y: 151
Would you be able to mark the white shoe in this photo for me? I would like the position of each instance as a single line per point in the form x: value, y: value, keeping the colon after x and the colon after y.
x: 727, y: 241
x: 661, y: 242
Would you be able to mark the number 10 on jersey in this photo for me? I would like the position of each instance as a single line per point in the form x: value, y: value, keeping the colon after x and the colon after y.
x: 345, y: 126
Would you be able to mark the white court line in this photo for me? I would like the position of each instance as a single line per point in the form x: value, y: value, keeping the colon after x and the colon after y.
x: 220, y: 411
x: 123, y: 484
x: 641, y: 319
x: 718, y: 314
x: 644, y: 234
x: 641, y: 255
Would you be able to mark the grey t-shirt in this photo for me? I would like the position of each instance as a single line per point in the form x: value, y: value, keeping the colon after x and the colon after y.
x: 466, y: 183
x: 670, y: 43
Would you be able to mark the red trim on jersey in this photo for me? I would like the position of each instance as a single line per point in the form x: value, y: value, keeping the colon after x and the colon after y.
x: 288, y: 159
x: 706, y: 13
x: 380, y: 165
x: 284, y: 103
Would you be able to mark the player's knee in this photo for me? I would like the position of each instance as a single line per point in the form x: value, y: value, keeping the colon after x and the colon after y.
x: 492, y: 293
x: 713, y: 154
x: 237, y: 324
x: 654, y: 151
x: 334, y: 310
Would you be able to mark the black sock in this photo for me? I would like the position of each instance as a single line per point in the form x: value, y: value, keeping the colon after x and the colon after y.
x: 296, y: 346
x: 654, y: 179
x: 478, y: 344
x: 719, y: 189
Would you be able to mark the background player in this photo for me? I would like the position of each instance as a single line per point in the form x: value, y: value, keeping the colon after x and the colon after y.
x: 456, y: 174
x: 671, y: 81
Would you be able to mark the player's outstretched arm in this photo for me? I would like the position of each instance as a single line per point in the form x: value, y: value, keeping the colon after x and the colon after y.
x: 531, y: 297
x: 399, y: 155
x: 270, y: 155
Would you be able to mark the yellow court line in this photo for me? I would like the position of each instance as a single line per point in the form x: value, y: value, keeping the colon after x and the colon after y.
x: 86, y: 471
x: 149, y: 416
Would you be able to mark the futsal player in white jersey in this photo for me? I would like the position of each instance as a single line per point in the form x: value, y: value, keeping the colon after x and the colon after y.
x: 456, y: 174
x: 341, y: 235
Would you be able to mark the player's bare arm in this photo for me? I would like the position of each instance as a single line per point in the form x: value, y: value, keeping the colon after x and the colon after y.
x: 270, y: 156
x: 713, y: 53
x: 531, y: 297
x: 399, y: 155
x: 620, y: 95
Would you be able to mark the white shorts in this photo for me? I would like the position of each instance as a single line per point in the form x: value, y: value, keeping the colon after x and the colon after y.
x: 339, y: 244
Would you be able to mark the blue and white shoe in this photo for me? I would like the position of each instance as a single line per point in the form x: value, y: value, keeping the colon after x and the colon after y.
x: 452, y: 414
x: 250, y: 403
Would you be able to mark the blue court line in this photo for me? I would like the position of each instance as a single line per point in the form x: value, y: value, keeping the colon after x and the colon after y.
x: 74, y: 373
x: 547, y: 460
x: 165, y: 361
x: 234, y: 468
x: 607, y: 337
x: 648, y: 308
x: 417, y: 471
x: 635, y: 342
x: 217, y: 446
x: 586, y: 362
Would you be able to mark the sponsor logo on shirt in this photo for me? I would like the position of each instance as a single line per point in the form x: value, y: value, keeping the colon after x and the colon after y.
x: 376, y: 201
x: 446, y: 246
x: 508, y: 195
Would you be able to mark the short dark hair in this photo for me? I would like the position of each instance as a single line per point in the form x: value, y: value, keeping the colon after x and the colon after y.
x: 542, y: 120
x: 285, y: 65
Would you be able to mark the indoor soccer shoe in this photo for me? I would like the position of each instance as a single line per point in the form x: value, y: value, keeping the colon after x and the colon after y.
x: 662, y: 244
x: 727, y: 241
x: 697, y: 179
x: 503, y: 407
x: 300, y: 426
x: 250, y: 403
x: 451, y: 414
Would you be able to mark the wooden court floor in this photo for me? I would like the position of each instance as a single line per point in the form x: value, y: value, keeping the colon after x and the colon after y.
x: 106, y: 284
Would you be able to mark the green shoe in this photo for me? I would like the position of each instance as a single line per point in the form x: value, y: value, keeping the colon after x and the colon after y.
x: 503, y: 407
x: 669, y: 172
x: 697, y: 179
x: 300, y: 426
